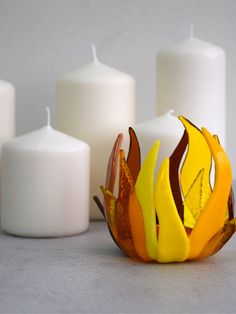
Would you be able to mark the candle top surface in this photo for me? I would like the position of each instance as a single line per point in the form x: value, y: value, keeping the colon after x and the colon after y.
x: 192, y: 45
x: 161, y: 125
x: 96, y: 72
x: 46, y: 139
x: 4, y: 85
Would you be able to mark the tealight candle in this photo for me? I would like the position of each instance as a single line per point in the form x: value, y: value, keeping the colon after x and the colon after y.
x: 165, y: 128
x: 45, y: 184
x: 191, y: 80
x: 95, y: 103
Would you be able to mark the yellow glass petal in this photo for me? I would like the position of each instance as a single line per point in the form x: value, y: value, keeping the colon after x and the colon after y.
x: 144, y: 189
x: 212, y: 217
x: 192, y: 202
x: 173, y: 243
x: 198, y: 157
x: 228, y: 210
x: 189, y: 220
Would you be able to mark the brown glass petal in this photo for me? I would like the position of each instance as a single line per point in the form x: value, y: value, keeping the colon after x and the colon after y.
x: 134, y: 157
x: 113, y: 163
x: 175, y: 160
x: 101, y: 207
x: 231, y: 204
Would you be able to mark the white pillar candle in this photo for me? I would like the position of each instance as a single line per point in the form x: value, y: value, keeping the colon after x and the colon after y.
x: 45, y: 184
x: 95, y: 102
x: 191, y: 80
x: 166, y: 128
x: 7, y: 114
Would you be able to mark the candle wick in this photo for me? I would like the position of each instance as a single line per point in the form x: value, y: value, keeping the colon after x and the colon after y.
x: 94, y: 51
x: 48, y: 117
x: 169, y: 112
x: 191, y: 30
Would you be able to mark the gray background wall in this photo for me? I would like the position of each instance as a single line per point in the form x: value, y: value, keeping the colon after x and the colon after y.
x: 39, y: 39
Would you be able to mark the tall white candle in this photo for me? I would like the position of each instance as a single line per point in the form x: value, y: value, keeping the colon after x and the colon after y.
x: 7, y: 114
x: 191, y: 80
x: 45, y: 184
x: 95, y: 102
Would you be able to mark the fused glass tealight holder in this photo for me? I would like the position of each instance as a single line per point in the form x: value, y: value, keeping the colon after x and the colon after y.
x: 178, y: 216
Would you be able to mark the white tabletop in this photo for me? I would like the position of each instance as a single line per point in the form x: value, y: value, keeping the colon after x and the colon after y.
x: 89, y: 274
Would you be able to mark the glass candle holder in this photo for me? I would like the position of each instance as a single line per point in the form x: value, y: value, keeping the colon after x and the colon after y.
x: 178, y: 215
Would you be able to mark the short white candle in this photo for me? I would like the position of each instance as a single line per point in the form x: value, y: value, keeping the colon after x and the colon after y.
x: 191, y: 80
x: 7, y: 114
x: 45, y: 184
x: 166, y: 128
x: 95, y: 103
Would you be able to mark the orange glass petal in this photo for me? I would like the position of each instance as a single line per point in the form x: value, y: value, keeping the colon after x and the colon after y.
x: 219, y: 239
x: 137, y: 227
x: 211, y: 219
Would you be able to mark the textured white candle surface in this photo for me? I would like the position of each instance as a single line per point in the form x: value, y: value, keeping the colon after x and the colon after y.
x: 191, y: 80
x: 95, y: 103
x: 45, y: 185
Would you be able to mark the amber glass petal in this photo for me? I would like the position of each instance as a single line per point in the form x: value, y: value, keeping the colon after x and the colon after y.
x: 121, y: 216
x: 113, y: 163
x: 126, y: 182
x: 211, y: 219
x: 134, y: 157
x: 175, y: 160
x: 198, y: 157
x: 219, y: 240
x: 124, y: 235
x: 110, y: 204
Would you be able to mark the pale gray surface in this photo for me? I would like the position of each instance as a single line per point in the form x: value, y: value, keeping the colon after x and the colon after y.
x: 41, y: 39
x: 88, y: 274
